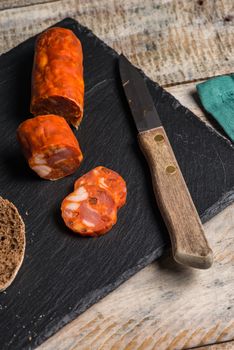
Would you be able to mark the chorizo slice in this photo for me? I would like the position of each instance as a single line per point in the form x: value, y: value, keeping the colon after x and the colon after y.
x: 107, y: 179
x: 89, y: 210
x: 49, y: 146
x: 57, y: 76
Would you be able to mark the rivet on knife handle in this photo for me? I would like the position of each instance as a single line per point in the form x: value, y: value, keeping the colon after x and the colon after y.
x: 189, y: 244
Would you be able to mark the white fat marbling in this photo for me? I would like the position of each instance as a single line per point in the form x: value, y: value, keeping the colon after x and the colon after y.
x: 88, y: 223
x: 78, y: 195
x: 102, y: 182
x: 72, y: 206
x: 59, y: 150
x: 42, y: 170
x: 39, y: 159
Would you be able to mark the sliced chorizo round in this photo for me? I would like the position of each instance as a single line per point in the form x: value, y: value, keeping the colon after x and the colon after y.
x: 49, y: 146
x: 57, y: 75
x: 107, y: 179
x: 89, y: 210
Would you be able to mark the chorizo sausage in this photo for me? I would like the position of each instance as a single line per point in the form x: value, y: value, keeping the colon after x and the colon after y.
x: 50, y: 146
x: 57, y: 76
x: 107, y: 179
x: 89, y: 210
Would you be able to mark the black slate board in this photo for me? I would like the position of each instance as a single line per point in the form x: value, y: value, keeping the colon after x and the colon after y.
x: 62, y: 274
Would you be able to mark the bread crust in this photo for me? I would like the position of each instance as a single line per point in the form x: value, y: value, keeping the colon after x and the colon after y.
x: 12, y: 242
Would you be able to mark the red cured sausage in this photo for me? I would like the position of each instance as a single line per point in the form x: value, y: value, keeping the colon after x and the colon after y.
x: 50, y: 146
x: 57, y: 76
x: 89, y: 210
x: 108, y: 180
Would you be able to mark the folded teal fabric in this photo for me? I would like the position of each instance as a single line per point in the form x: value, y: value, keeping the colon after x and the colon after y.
x: 217, y: 97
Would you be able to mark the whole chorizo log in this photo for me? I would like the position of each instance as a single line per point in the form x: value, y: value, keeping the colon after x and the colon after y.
x: 50, y: 146
x: 89, y: 210
x: 107, y: 179
x: 57, y: 76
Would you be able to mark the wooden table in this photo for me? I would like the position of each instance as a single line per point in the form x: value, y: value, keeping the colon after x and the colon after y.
x: 176, y: 42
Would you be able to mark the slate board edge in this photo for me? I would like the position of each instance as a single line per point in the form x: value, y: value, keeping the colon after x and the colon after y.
x: 95, y: 296
x: 220, y: 205
x: 74, y: 23
x: 225, y: 200
x: 98, y: 294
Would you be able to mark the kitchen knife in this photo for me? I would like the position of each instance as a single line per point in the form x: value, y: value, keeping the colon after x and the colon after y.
x: 189, y: 244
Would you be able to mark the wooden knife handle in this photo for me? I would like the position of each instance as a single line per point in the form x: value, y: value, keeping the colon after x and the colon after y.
x: 189, y: 244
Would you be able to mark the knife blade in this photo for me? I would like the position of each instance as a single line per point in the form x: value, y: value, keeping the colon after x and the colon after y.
x: 189, y: 244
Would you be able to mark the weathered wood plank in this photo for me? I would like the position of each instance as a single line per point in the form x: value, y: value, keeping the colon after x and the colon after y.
x: 8, y: 4
x: 187, y: 95
x: 164, y: 306
x: 173, y: 41
x: 221, y: 346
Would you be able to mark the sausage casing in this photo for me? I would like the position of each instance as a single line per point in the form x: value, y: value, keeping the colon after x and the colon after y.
x: 50, y: 146
x: 57, y: 76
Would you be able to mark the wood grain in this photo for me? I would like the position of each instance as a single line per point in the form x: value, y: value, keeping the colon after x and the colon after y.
x: 188, y: 96
x: 173, y: 41
x: 8, y: 4
x: 164, y: 306
x: 165, y: 302
x: 221, y: 346
x: 189, y: 243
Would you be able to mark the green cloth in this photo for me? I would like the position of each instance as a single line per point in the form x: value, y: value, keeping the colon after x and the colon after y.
x: 217, y: 97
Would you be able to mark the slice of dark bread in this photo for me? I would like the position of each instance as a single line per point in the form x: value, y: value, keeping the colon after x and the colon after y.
x: 12, y: 242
